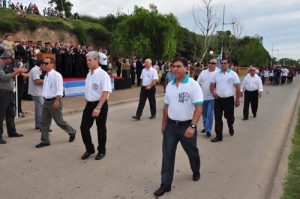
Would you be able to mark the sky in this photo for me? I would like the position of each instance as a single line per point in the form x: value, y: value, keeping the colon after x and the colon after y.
x: 277, y: 21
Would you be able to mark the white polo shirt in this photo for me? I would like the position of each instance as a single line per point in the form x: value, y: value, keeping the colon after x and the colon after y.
x: 96, y: 83
x: 103, y: 58
x: 252, y: 83
x: 225, y: 83
x: 53, y: 85
x: 148, y: 75
x: 34, y: 89
x: 204, y: 80
x: 181, y: 100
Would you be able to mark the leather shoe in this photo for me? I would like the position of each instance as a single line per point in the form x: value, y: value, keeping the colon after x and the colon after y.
x: 203, y: 131
x: 245, y: 118
x: 208, y: 134
x: 99, y: 156
x: 161, y: 190
x: 15, y: 135
x: 231, y: 131
x: 72, y: 137
x: 196, y: 176
x: 86, y: 155
x: 216, y: 139
x: 2, y: 141
x: 40, y: 145
x: 136, y: 117
x: 152, y: 117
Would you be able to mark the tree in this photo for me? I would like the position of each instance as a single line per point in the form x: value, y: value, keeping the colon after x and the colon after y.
x: 63, y: 6
x: 205, y: 20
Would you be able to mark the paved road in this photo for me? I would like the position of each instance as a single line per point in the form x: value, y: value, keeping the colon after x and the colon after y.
x: 240, y: 167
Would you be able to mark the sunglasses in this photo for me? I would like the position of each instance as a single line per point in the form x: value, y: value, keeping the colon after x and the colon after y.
x: 46, y: 63
x: 213, y: 63
x: 224, y: 63
x: 251, y: 70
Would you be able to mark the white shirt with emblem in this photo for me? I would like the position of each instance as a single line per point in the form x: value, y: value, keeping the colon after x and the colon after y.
x: 96, y: 83
x: 225, y: 83
x: 252, y: 83
x: 53, y: 85
x: 181, y: 100
x: 148, y: 75
x: 204, y: 80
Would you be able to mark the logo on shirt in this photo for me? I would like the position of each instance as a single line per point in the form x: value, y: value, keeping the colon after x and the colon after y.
x: 95, y: 86
x: 183, y: 97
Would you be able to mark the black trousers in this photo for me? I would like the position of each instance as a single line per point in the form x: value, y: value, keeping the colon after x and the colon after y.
x: 144, y: 95
x: 87, y: 122
x: 251, y: 97
x: 138, y: 74
x: 7, y: 112
x: 226, y: 106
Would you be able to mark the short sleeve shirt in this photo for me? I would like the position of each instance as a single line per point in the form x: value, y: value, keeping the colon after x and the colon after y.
x: 53, y: 85
x: 96, y: 83
x: 148, y: 75
x: 181, y: 100
x: 204, y: 80
x: 225, y: 83
x: 34, y: 89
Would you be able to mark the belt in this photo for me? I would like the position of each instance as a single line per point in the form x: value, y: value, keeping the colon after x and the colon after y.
x: 50, y: 99
x: 177, y: 122
x: 4, y: 90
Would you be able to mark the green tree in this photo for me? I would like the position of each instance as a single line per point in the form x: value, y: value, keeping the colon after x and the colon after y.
x: 63, y: 5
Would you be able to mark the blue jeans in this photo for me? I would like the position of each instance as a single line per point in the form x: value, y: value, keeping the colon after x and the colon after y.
x: 38, y: 104
x: 208, y: 114
x: 172, y: 135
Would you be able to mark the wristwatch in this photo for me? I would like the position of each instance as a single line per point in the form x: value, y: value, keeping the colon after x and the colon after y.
x: 193, y: 126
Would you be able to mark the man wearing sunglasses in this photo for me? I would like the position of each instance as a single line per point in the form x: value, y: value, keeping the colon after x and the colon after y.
x: 7, y: 95
x: 52, y: 107
x: 222, y: 88
x: 253, y: 88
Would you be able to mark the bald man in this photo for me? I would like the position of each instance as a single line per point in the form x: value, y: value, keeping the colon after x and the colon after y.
x: 149, y: 78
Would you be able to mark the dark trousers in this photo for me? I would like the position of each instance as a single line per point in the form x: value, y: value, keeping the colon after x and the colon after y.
x: 138, y: 74
x: 251, y: 97
x: 144, y: 95
x: 225, y: 105
x: 172, y: 135
x: 7, y: 111
x: 86, y: 124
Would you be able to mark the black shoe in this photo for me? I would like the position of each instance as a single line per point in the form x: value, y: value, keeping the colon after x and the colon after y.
x: 152, y: 117
x: 254, y: 115
x: 161, y: 190
x: 99, y: 156
x: 86, y: 155
x: 37, y: 128
x: 245, y: 118
x: 40, y: 145
x: 15, y: 135
x: 216, y: 139
x: 136, y: 117
x: 196, y: 176
x: 208, y: 134
x: 203, y: 131
x: 2, y: 141
x: 72, y: 137
x: 231, y: 131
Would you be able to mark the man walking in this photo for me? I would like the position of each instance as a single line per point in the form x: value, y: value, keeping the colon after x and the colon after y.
x: 204, y: 80
x: 149, y: 78
x: 222, y: 88
x: 52, y: 107
x: 253, y: 89
x: 182, y: 110
x: 97, y: 89
x: 7, y: 96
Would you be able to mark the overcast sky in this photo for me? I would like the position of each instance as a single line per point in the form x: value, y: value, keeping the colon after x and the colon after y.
x: 276, y: 20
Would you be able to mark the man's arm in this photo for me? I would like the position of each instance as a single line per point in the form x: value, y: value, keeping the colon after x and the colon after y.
x: 164, y: 118
x: 189, y: 132
x: 212, y: 89
x: 102, y: 100
x: 237, y: 95
x: 38, y: 81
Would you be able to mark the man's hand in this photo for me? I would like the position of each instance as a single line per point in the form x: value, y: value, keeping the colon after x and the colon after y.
x: 242, y: 94
x: 148, y: 87
x: 96, y: 113
x: 215, y: 95
x: 189, y: 132
x: 163, y: 128
x: 56, y: 104
x: 259, y: 94
x: 237, y: 102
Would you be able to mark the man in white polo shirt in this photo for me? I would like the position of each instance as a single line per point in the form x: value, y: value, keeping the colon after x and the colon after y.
x: 182, y: 110
x: 223, y: 86
x: 52, y: 107
x: 253, y: 88
x: 97, y: 89
x: 204, y: 80
x: 149, y: 78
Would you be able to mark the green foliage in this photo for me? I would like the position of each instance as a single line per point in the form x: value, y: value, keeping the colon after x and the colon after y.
x: 292, y: 182
x: 63, y: 5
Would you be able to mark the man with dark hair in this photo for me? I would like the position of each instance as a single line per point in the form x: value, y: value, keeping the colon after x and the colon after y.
x: 182, y: 110
x: 222, y: 88
x: 7, y: 96
x: 52, y: 107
